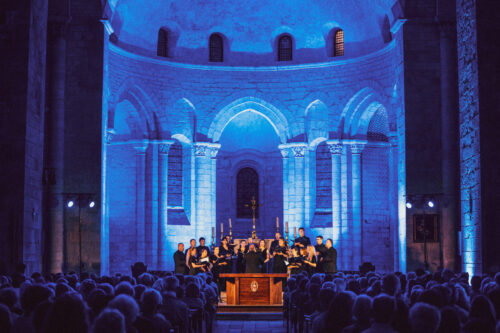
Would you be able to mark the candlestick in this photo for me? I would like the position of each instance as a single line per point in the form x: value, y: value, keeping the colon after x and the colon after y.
x: 221, y: 230
x: 213, y: 232
x: 286, y: 227
x: 229, y: 223
x: 277, y: 223
x: 294, y: 232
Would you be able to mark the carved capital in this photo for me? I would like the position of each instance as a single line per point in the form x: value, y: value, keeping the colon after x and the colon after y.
x: 213, y: 152
x: 110, y: 134
x: 200, y: 150
x: 335, y: 148
x: 299, y: 151
x: 206, y: 149
x: 357, y: 148
x: 284, y: 152
x: 163, y: 148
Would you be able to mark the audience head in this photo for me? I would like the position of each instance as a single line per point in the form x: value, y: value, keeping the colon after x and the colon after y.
x: 109, y: 321
x: 383, y: 309
x: 5, y: 319
x: 482, y: 308
x: 34, y: 295
x: 424, y: 318
x: 391, y: 285
x: 362, y: 308
x: 125, y: 288
x: 68, y: 311
x: 150, y: 300
x: 127, y: 306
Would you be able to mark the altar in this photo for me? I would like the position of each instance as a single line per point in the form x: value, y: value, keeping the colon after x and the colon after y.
x: 254, y: 288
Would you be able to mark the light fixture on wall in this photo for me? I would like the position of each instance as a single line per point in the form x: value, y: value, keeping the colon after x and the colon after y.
x: 409, y: 204
x: 70, y: 203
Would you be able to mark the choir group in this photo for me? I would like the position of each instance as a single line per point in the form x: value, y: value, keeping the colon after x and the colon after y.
x: 250, y: 257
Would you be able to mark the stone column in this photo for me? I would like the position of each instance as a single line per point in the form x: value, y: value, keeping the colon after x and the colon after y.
x: 163, y: 149
x: 204, y: 154
x: 299, y: 152
x: 285, y: 152
x: 336, y: 154
x: 450, y: 145
x: 357, y: 215
x: 56, y: 61
x: 393, y: 197
x: 140, y: 201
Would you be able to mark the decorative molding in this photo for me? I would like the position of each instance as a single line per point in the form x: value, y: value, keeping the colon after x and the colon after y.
x: 357, y: 148
x: 299, y: 151
x: 141, y: 149
x: 285, y: 152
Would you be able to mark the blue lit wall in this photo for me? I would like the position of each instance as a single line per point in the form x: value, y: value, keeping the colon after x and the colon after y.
x: 315, y: 129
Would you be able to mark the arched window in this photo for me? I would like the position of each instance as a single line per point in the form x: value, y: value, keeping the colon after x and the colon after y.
x: 175, y: 167
x: 338, y: 43
x: 162, y: 50
x: 247, y: 188
x: 285, y: 48
x: 216, y: 46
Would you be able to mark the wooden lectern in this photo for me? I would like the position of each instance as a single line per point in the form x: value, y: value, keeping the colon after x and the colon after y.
x: 254, y: 289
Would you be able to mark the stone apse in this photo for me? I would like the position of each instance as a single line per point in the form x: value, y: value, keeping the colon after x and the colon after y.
x: 319, y: 144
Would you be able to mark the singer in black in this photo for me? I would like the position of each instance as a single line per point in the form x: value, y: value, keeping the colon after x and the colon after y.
x: 295, y: 262
x: 330, y: 258
x: 202, y: 247
x: 240, y: 252
x: 279, y: 257
x: 302, y: 241
x: 264, y: 255
x: 320, y: 252
x: 253, y: 260
x: 180, y: 260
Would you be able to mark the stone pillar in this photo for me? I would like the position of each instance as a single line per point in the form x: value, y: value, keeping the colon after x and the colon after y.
x: 299, y: 153
x: 450, y: 145
x: 336, y: 154
x: 56, y: 61
x: 204, y: 191
x: 393, y: 197
x: 357, y: 214
x: 285, y: 152
x: 140, y: 201
x: 163, y: 149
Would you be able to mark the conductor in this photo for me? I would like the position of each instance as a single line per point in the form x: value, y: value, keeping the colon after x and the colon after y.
x: 253, y: 260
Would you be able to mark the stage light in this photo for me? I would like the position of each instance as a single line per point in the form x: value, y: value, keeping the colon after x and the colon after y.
x: 409, y: 205
x: 92, y: 204
x: 70, y: 203
x: 430, y: 203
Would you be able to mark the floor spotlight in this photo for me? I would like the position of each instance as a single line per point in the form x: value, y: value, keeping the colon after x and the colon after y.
x: 92, y: 204
x: 430, y: 203
x: 70, y: 203
x: 409, y: 205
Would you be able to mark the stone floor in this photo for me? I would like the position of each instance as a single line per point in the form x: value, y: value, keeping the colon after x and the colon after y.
x: 243, y: 326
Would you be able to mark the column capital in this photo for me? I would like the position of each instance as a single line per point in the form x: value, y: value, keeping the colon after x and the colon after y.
x: 109, y: 135
x: 357, y: 146
x: 335, y: 147
x: 209, y: 149
x: 140, y: 148
x: 393, y: 139
x: 164, y: 146
x: 298, y: 149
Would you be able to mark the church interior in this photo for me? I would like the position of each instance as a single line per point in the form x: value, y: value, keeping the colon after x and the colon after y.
x: 128, y: 127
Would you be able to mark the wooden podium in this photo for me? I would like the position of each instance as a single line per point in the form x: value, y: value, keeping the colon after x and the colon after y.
x: 254, y: 289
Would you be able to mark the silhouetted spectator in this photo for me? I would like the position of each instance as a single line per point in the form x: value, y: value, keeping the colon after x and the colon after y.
x: 109, y: 321
x: 129, y: 309
x: 424, y: 318
x: 67, y: 314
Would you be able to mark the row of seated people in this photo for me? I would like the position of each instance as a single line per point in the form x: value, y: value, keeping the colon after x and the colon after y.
x: 56, y: 303
x: 417, y: 302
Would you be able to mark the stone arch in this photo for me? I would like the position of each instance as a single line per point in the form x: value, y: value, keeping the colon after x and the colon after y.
x: 143, y: 105
x: 358, y: 113
x: 182, y: 120
x: 316, y: 122
x: 266, y: 110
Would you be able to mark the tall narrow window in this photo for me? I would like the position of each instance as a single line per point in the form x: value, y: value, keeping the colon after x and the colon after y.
x: 338, y: 48
x: 247, y: 189
x: 162, y: 50
x: 216, y: 48
x: 285, y: 48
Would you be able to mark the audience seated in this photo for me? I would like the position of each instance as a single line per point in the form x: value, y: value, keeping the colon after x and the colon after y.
x: 420, y: 302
